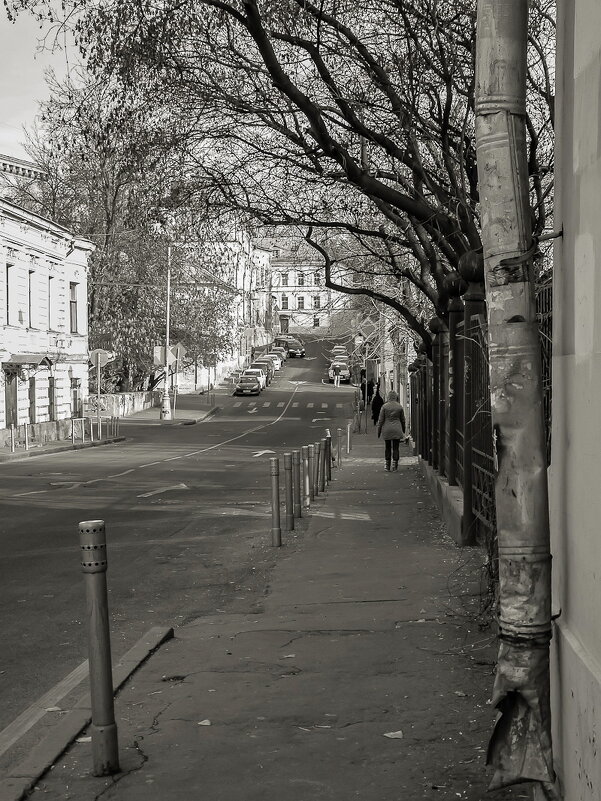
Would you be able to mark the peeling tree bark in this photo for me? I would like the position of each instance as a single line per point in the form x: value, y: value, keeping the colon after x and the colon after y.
x: 520, y: 748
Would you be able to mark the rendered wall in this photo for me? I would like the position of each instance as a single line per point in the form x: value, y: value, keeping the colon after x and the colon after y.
x: 575, y: 475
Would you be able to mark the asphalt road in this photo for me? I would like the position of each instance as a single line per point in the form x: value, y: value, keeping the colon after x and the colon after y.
x: 187, y: 514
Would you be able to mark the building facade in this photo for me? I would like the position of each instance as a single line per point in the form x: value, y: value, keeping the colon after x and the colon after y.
x: 575, y: 501
x: 303, y: 301
x: 43, y: 315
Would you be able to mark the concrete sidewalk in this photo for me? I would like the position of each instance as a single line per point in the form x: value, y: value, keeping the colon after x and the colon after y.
x: 359, y: 673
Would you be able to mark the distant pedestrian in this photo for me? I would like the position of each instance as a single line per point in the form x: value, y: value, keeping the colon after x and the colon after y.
x: 376, y: 405
x: 391, y: 426
x: 370, y: 390
x: 336, y: 370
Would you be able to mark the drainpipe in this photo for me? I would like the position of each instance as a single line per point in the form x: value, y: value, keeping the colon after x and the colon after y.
x: 520, y: 748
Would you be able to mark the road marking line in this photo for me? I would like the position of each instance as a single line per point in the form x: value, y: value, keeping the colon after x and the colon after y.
x: 253, y: 403
x: 238, y: 403
x: 294, y: 405
x: 125, y: 472
x: 310, y: 405
x: 32, y: 492
x: 20, y: 725
x: 267, y: 403
x: 324, y: 405
x: 163, y: 489
x: 339, y: 406
x: 281, y: 403
x: 148, y: 464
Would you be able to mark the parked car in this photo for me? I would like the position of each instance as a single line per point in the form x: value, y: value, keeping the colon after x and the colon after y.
x: 276, y: 358
x: 339, y: 350
x: 296, y: 349
x: 248, y: 385
x: 260, y: 374
x: 265, y: 365
x: 282, y: 351
x: 345, y: 373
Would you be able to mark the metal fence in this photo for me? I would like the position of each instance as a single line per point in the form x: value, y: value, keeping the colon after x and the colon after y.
x: 466, y: 385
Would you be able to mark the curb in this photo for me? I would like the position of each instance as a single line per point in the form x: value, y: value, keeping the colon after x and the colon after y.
x: 206, y: 416
x: 43, y: 451
x: 22, y: 778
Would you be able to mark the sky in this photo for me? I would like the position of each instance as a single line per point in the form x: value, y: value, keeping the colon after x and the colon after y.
x: 22, y: 82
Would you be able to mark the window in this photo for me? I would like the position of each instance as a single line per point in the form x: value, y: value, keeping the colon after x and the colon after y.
x: 284, y: 301
x: 73, y: 307
x: 30, y: 299
x: 50, y: 301
x: 316, y: 302
x: 8, y: 297
x: 301, y: 279
x: 316, y: 322
x: 301, y: 302
x: 317, y: 278
x: 284, y: 279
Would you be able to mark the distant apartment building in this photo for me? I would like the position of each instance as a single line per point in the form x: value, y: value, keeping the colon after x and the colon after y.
x: 303, y: 302
x: 43, y: 318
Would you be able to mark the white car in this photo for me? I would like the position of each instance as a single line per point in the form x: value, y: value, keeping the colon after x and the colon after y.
x: 339, y: 350
x: 259, y: 374
x: 345, y: 373
x: 277, y: 360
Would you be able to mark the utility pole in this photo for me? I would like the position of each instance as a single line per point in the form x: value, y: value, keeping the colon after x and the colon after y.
x: 166, y: 407
x: 520, y: 748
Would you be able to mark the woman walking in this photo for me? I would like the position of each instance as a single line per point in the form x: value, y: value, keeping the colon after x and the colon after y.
x: 391, y: 425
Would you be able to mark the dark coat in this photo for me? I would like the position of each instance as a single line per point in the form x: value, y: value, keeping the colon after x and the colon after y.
x: 391, y: 422
x: 376, y: 405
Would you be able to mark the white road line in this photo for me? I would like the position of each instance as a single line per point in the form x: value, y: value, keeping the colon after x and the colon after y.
x: 20, y: 725
x: 324, y: 405
x: 238, y: 403
x: 310, y: 405
x: 339, y: 406
x: 253, y: 403
x: 32, y: 492
x: 148, y: 464
x: 294, y: 405
x: 281, y: 403
x: 125, y: 472
x: 163, y: 489
x: 267, y: 403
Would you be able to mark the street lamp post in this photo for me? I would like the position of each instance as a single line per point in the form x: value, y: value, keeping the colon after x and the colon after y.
x: 166, y: 406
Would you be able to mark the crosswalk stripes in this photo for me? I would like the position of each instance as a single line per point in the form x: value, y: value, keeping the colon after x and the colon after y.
x: 238, y: 403
x: 324, y: 405
x: 280, y: 404
x: 295, y: 405
x: 266, y: 404
x: 310, y: 405
x: 339, y: 406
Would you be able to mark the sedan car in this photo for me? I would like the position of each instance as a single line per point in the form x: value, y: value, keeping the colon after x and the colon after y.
x: 248, y: 385
x: 267, y: 366
x: 282, y: 351
x: 259, y: 374
x: 296, y: 349
x: 339, y: 350
x: 277, y: 360
x: 345, y: 373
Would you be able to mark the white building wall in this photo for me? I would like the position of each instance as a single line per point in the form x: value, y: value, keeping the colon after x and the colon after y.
x: 36, y: 254
x: 575, y: 500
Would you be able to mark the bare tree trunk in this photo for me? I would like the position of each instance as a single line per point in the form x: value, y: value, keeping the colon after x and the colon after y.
x: 520, y: 748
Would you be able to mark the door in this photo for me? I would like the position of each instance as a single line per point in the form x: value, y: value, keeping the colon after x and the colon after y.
x: 10, y: 399
x: 51, y: 398
x: 32, y: 399
x: 284, y: 324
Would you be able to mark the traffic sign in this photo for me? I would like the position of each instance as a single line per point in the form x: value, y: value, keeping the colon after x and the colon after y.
x: 100, y: 357
x: 178, y: 350
x: 159, y: 356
